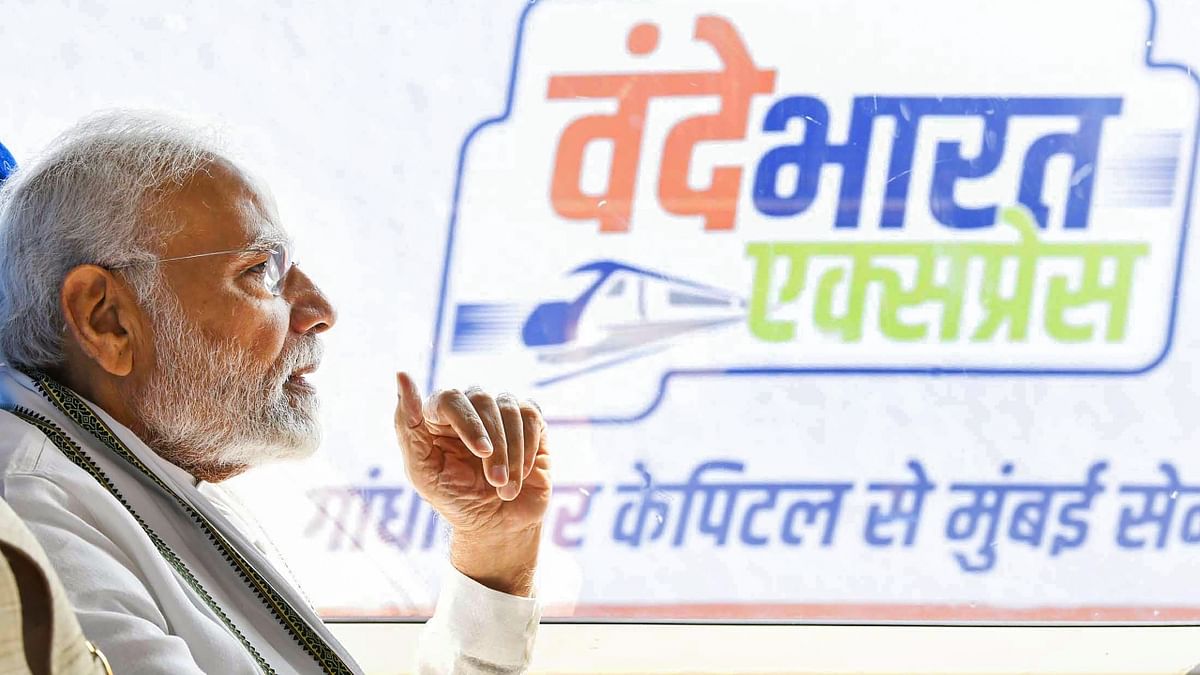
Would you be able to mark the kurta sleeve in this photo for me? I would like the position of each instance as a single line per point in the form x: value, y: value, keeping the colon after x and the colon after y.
x: 114, y: 608
x: 475, y: 629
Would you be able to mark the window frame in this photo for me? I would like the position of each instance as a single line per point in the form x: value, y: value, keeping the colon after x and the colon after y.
x: 566, y: 648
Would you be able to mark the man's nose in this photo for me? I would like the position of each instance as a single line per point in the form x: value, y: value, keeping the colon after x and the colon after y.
x: 311, y: 310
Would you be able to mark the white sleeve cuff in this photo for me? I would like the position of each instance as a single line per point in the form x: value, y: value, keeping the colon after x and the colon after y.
x: 477, y: 629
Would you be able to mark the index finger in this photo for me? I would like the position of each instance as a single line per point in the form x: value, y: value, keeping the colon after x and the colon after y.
x: 408, y: 407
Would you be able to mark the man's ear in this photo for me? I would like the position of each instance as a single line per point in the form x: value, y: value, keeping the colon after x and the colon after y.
x: 102, y: 316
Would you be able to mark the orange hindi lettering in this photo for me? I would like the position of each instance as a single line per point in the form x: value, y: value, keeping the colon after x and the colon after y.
x: 739, y: 82
x: 735, y: 85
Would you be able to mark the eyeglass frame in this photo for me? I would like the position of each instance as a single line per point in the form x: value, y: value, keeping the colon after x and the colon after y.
x: 275, y: 289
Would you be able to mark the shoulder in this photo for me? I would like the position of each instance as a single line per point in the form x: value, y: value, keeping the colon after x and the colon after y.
x: 32, y: 468
x: 22, y: 446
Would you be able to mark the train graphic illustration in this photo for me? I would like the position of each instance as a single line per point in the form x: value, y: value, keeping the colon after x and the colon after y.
x: 623, y: 311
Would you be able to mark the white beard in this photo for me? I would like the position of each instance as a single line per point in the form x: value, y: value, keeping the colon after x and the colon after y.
x: 211, y: 406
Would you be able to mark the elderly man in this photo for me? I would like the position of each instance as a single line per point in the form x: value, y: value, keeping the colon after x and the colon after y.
x: 157, y: 336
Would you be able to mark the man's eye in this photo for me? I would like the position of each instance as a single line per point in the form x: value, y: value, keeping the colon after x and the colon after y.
x: 260, y: 268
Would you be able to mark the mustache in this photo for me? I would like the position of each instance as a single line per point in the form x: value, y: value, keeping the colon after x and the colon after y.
x: 305, y: 354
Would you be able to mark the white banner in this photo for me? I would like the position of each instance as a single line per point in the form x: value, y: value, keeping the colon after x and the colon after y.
x: 838, y: 311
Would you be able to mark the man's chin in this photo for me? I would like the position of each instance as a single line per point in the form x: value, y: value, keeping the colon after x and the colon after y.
x: 299, y: 451
x: 289, y: 446
x: 294, y: 447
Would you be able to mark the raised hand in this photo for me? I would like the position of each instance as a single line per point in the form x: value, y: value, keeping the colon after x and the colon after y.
x: 482, y: 462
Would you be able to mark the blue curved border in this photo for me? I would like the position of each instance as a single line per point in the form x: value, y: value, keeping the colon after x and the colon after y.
x: 869, y: 371
x: 458, y: 180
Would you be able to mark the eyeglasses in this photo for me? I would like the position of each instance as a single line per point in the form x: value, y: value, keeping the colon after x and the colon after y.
x: 275, y: 271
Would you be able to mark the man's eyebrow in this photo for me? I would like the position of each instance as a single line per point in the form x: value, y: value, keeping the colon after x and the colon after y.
x: 269, y: 241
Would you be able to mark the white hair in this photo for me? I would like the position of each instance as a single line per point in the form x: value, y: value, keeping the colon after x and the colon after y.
x: 91, y: 197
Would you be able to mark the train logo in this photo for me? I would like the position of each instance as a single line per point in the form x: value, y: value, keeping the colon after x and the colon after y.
x: 623, y: 313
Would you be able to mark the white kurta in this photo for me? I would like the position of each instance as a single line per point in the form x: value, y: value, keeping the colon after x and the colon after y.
x: 138, y: 605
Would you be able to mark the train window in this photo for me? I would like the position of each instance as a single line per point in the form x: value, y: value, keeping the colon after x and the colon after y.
x: 838, y: 311
x: 695, y: 299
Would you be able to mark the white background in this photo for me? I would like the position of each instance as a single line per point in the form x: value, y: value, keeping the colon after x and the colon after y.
x: 354, y: 114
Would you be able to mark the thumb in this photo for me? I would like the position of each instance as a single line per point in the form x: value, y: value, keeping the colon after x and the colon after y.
x: 408, y: 403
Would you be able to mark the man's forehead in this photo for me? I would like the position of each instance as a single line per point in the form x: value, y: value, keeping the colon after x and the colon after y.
x: 222, y: 208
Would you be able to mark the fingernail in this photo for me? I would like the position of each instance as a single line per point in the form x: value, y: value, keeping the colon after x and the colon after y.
x: 499, y: 475
x: 509, y: 492
x: 486, y: 445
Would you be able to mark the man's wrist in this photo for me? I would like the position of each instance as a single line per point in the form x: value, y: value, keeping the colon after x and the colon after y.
x: 502, y: 562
